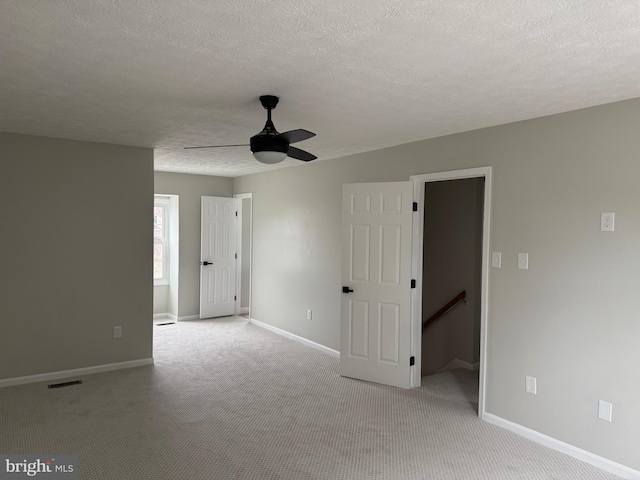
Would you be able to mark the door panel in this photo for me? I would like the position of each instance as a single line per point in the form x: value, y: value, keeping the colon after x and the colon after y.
x: 390, y: 237
x: 389, y: 318
x: 358, y: 328
x: 376, y: 264
x: 359, y: 249
x: 217, y: 278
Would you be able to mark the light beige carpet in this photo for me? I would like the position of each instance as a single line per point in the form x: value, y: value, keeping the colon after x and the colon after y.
x: 230, y: 400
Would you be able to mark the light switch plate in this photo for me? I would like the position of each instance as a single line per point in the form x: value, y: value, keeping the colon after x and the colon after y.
x: 496, y: 260
x: 605, y: 411
x: 523, y: 261
x: 530, y: 385
x: 607, y: 220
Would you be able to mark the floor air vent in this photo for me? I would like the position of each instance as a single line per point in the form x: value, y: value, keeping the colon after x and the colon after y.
x: 64, y: 384
x: 166, y: 323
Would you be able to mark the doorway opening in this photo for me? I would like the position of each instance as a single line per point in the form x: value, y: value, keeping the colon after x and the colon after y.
x: 225, y: 256
x: 451, y: 275
x: 166, y: 247
x: 451, y: 256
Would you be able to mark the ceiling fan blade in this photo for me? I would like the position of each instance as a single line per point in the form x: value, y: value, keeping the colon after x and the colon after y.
x: 300, y: 154
x: 217, y: 146
x: 293, y: 136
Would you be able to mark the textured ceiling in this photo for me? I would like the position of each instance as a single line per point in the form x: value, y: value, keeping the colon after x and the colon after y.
x: 362, y: 74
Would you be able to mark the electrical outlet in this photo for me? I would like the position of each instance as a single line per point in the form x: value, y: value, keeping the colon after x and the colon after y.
x: 309, y: 314
x: 531, y: 385
x: 607, y: 220
x: 496, y: 260
x: 523, y: 261
x: 117, y: 332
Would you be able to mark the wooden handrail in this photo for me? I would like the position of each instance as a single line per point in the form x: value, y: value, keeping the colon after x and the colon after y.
x: 454, y: 301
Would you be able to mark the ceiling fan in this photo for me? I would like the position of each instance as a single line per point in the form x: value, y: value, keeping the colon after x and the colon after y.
x: 269, y: 146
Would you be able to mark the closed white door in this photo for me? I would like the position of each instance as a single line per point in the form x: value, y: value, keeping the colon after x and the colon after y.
x: 218, y: 257
x: 375, y: 334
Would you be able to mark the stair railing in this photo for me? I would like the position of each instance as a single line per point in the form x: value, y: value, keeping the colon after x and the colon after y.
x: 449, y: 306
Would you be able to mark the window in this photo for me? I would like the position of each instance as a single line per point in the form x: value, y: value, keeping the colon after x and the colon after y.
x: 161, y: 240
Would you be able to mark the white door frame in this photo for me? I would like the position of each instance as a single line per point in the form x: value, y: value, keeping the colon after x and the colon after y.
x: 241, y: 213
x: 418, y: 241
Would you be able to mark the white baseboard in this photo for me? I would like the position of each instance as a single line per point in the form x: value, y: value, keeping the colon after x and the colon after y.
x: 457, y: 363
x: 159, y: 316
x: 555, y: 444
x: 43, y: 377
x: 297, y: 338
x: 174, y: 318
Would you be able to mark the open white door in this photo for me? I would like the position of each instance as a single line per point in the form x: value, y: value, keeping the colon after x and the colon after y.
x: 218, y: 257
x: 375, y: 332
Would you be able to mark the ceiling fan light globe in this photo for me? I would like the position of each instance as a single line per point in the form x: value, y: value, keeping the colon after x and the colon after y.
x: 269, y: 157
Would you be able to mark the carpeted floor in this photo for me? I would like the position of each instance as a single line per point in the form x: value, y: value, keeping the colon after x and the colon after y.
x: 230, y: 400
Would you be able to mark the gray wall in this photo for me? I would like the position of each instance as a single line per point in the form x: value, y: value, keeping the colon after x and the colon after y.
x: 452, y: 263
x: 190, y: 189
x: 570, y: 320
x: 161, y: 299
x: 75, y: 254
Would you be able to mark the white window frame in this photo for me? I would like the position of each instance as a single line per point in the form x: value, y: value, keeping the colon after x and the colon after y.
x: 162, y: 201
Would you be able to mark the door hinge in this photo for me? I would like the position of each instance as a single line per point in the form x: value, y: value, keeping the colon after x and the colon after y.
x: 236, y: 256
x: 415, y: 206
x: 413, y: 283
x: 235, y: 298
x: 236, y: 213
x: 412, y: 361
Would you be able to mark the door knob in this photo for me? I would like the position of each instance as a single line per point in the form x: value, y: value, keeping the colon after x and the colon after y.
x: 207, y: 263
x: 346, y: 290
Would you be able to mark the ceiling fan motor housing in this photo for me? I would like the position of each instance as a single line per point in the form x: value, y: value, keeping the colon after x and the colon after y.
x: 268, y: 143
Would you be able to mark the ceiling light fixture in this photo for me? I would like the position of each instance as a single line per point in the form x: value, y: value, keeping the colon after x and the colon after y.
x: 269, y: 157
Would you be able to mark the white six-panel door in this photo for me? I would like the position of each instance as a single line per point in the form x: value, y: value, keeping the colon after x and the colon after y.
x: 218, y: 257
x: 375, y: 335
